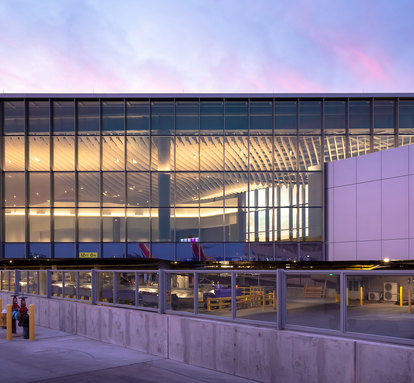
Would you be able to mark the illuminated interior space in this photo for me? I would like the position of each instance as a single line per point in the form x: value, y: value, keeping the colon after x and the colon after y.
x: 181, y: 177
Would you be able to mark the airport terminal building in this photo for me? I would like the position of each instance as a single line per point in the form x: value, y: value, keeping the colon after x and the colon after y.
x: 197, y: 177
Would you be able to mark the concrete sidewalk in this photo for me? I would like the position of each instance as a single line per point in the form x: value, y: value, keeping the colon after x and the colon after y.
x: 55, y: 356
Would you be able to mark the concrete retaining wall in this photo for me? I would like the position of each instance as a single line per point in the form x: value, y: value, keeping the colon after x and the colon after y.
x: 262, y: 354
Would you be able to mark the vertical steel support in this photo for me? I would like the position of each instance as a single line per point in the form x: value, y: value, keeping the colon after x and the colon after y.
x: 76, y: 138
x: 343, y: 308
x: 51, y: 184
x: 371, y: 125
x: 136, y: 289
x: 77, y: 285
x: 281, y: 303
x: 233, y: 295
x: 114, y: 292
x: 1, y: 184
x: 94, y: 282
x: 396, y: 121
x: 48, y: 283
x: 195, y: 275
x: 161, y: 291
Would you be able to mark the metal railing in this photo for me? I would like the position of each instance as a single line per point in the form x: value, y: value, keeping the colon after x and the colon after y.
x: 372, y: 305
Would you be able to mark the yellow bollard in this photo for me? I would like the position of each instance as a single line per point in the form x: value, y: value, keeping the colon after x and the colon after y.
x: 347, y: 296
x: 401, y: 296
x: 31, y: 322
x: 1, y: 305
x: 338, y: 298
x: 9, y: 322
x: 264, y: 301
x: 362, y: 295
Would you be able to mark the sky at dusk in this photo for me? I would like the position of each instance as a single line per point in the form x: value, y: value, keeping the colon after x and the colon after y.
x: 202, y: 46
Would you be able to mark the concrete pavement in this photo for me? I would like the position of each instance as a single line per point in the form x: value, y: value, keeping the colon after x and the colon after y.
x: 56, y: 356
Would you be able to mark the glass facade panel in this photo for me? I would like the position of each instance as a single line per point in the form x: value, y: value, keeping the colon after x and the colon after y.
x: 359, y: 145
x: 14, y: 153
x: 162, y: 154
x: 148, y: 290
x: 13, y: 117
x: 261, y: 118
x: 138, y: 153
x: 138, y: 117
x: 39, y: 154
x: 383, y: 143
x: 162, y: 118
x: 261, y: 153
x: 39, y: 117
x: 14, y: 225
x: 286, y: 117
x: 14, y: 189
x: 64, y: 189
x: 359, y: 116
x: 247, y: 179
x: 113, y: 117
x: 88, y: 192
x: 334, y: 117
x: 64, y: 225
x: 406, y: 117
x: 64, y: 153
x: 14, y: 250
x: 113, y: 189
x: 89, y: 222
x: 187, y: 189
x: 125, y: 288
x: 310, y: 153
x: 39, y: 225
x: 113, y: 225
x: 187, y: 153
x: 310, y: 117
x: 39, y: 187
x: 88, y: 117
x: 113, y: 149
x: 211, y: 153
x: 63, y: 117
x: 211, y: 117
x: 64, y: 250
x: 236, y: 153
x: 187, y: 117
x: 138, y: 229
x: 89, y: 153
x: 236, y: 117
x: 383, y: 117
x: 138, y: 189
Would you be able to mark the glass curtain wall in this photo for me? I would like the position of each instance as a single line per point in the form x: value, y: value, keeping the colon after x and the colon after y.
x: 180, y: 179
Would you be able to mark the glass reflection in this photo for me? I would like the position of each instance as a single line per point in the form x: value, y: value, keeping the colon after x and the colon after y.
x: 63, y: 117
x: 383, y: 117
x: 88, y: 117
x: 113, y: 188
x: 335, y: 148
x: 38, y: 117
x: 383, y: 143
x: 13, y: 117
x: 359, y: 145
x: 285, y: 153
x: 64, y: 225
x: 310, y: 153
x: 138, y: 149
x: 137, y: 117
x: 186, y: 153
x: 63, y: 153
x: 138, y: 229
x: 64, y: 189
x: 88, y: 153
x: 88, y: 192
x: 14, y: 189
x: 113, y: 225
x: 39, y: 155
x: 310, y: 117
x: 334, y: 117
x: 211, y: 117
x: 359, y: 116
x: 89, y: 225
x: 187, y: 189
x: 211, y: 189
x: 138, y: 189
x: 162, y: 117
x: 14, y: 153
x: 162, y: 153
x: 39, y: 188
x: 211, y: 153
x: 113, y: 153
x: 186, y: 120
x: 113, y: 117
x: 39, y: 225
x: 236, y: 153
x: 261, y: 117
x: 236, y: 121
x: 406, y: 117
x: 261, y: 153
x: 14, y: 228
x: 285, y: 117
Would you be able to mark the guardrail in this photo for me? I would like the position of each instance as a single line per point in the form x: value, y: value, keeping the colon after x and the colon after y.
x: 373, y: 305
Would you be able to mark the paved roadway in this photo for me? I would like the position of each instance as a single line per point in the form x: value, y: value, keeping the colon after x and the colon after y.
x: 55, y: 356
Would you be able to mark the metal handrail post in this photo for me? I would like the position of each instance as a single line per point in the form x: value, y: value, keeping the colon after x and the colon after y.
x: 343, y: 308
x: 195, y: 293
x: 17, y: 282
x: 161, y: 291
x: 48, y: 283
x: 94, y: 282
x: 233, y: 295
x: 281, y: 303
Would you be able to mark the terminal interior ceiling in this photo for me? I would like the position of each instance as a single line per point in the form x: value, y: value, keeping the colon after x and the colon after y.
x: 180, y: 179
